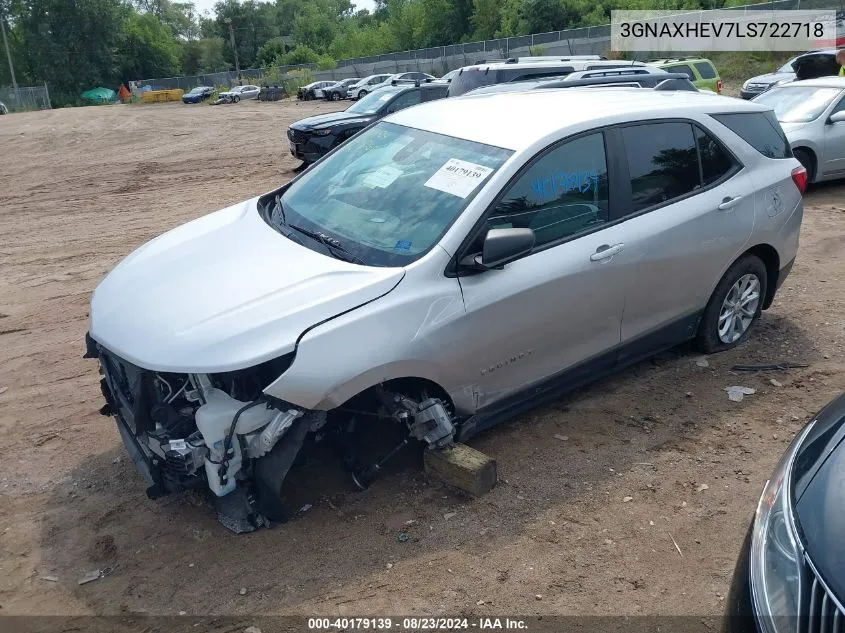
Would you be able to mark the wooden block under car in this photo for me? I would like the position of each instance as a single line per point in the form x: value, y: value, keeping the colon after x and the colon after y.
x: 462, y: 467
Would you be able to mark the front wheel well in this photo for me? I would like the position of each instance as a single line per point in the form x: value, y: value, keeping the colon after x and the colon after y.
x: 811, y: 157
x: 770, y: 258
x: 410, y: 386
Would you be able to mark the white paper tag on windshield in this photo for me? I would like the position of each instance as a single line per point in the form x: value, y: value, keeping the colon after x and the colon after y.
x: 382, y: 177
x: 458, y: 177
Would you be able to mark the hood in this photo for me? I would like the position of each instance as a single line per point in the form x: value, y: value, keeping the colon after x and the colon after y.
x: 770, y: 78
x: 332, y: 118
x: 224, y: 292
x: 790, y: 127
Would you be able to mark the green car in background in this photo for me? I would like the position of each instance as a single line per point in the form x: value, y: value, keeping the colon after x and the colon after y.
x: 700, y: 71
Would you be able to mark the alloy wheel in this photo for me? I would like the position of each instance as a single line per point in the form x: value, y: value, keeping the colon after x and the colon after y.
x: 739, y: 308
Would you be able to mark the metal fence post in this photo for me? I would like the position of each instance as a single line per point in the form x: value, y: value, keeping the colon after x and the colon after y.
x: 47, y: 96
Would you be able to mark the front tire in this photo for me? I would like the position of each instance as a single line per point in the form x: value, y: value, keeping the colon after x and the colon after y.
x: 362, y: 94
x: 236, y: 98
x: 807, y: 160
x: 335, y: 96
x: 733, y: 308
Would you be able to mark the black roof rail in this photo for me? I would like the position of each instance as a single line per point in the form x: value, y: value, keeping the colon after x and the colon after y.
x: 667, y: 81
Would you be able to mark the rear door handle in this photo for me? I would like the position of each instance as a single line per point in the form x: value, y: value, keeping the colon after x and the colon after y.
x: 606, y: 252
x: 729, y: 203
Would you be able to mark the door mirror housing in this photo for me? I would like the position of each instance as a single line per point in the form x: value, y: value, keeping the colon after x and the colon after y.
x: 837, y: 117
x: 501, y: 246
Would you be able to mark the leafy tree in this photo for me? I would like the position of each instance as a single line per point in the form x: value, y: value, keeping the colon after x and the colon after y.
x: 147, y: 49
x: 212, y: 59
x: 269, y: 51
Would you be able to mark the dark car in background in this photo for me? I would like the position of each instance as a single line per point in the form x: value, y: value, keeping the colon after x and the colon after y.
x: 315, y: 136
x: 811, y: 64
x: 198, y: 94
x: 338, y: 90
x: 312, y: 90
x: 526, y: 69
x: 790, y: 577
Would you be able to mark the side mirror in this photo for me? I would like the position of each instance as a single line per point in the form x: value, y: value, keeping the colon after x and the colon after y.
x: 501, y: 246
x: 837, y: 117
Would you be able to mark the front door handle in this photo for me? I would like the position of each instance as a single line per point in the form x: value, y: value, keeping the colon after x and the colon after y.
x: 729, y: 203
x: 606, y: 252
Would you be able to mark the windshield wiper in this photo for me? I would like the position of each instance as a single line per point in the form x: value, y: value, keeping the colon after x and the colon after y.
x: 280, y: 209
x: 331, y: 244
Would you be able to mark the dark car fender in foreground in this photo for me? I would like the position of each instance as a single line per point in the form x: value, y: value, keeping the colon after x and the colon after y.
x: 816, y: 480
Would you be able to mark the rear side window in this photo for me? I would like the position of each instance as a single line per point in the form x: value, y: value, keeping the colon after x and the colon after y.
x: 760, y: 130
x: 470, y: 79
x: 405, y: 100
x: 662, y: 161
x: 716, y: 162
x: 682, y: 68
x: 705, y: 69
x: 432, y: 94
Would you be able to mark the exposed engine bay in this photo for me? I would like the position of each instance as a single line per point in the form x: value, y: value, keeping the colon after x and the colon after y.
x: 221, y: 432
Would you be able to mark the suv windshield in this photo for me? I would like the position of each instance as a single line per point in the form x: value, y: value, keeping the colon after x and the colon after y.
x: 374, y: 101
x: 389, y: 194
x: 797, y: 104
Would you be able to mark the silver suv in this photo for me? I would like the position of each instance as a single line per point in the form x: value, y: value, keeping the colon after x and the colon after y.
x: 445, y: 268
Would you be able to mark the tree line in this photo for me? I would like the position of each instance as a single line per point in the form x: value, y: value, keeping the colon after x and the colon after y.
x: 73, y: 45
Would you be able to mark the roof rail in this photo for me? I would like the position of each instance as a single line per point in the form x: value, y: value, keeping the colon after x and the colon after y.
x: 667, y: 81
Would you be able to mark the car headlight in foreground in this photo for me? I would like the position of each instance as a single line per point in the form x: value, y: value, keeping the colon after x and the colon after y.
x: 776, y: 554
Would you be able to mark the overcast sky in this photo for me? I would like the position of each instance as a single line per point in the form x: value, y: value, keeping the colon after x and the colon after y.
x: 207, y: 5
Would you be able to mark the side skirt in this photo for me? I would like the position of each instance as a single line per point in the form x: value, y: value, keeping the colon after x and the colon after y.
x: 584, y: 373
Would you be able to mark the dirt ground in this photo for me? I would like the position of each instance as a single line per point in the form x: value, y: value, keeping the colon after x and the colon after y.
x: 631, y: 496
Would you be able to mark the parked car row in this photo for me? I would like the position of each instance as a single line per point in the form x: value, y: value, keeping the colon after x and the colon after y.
x: 379, y: 95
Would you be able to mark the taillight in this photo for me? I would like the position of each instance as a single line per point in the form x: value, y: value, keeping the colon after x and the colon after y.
x: 799, y: 177
x: 719, y: 86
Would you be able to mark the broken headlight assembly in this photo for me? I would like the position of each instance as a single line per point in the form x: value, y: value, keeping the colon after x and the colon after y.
x: 776, y: 553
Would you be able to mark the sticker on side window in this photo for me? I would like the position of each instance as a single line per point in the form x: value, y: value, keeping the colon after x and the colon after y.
x: 458, y: 177
x: 382, y: 177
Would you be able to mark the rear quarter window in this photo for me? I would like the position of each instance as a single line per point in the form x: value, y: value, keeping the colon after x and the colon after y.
x: 760, y: 130
x: 705, y: 69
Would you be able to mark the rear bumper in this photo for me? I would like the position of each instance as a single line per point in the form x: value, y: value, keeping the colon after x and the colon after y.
x: 745, y: 94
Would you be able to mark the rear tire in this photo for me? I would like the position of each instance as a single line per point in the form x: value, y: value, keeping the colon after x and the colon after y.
x: 733, y: 308
x: 806, y: 158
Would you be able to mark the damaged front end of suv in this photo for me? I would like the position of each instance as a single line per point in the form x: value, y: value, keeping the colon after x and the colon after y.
x: 221, y: 432
x: 192, y: 431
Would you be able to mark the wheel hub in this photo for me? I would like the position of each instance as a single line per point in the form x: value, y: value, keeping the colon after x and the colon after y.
x: 739, y: 308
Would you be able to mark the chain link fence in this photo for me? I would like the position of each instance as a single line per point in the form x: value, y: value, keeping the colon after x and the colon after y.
x: 591, y: 40
x: 25, y: 98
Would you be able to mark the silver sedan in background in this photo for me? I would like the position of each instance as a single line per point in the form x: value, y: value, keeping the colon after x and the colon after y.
x: 812, y: 113
x: 242, y: 92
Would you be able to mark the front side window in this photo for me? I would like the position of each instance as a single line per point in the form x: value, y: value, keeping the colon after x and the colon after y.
x: 390, y: 193
x: 373, y: 102
x: 662, y: 161
x: 563, y: 193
